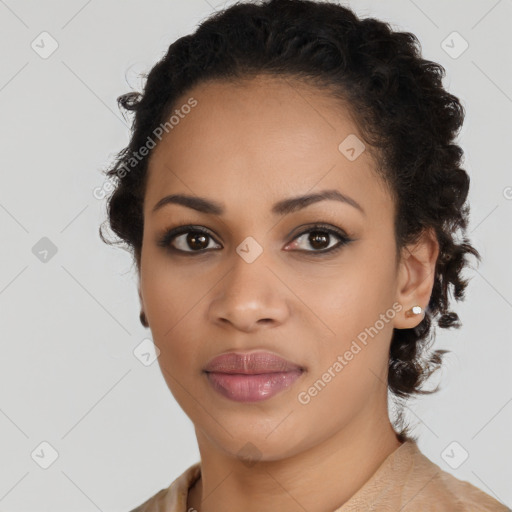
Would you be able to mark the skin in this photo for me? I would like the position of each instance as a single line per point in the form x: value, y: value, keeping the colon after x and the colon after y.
x: 247, y: 146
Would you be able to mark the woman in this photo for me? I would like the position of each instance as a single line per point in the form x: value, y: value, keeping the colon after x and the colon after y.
x: 294, y: 202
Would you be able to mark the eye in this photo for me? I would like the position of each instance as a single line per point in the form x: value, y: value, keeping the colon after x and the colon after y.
x: 186, y: 236
x: 192, y: 239
x: 319, y: 237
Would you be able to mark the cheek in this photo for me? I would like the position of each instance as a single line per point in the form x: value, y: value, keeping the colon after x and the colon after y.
x: 355, y: 305
x: 172, y: 312
x: 166, y: 304
x: 168, y: 294
x: 350, y: 368
x: 351, y: 296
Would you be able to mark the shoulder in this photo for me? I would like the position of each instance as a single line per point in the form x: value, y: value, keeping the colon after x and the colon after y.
x: 442, y: 491
x: 463, y: 495
x: 409, y: 481
x: 174, y: 497
x: 153, y: 503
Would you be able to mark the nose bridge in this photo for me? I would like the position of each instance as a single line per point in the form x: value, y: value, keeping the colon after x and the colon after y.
x: 250, y: 293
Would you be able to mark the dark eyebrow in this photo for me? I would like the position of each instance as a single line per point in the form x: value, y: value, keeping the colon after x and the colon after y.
x: 280, y: 208
x: 297, y: 203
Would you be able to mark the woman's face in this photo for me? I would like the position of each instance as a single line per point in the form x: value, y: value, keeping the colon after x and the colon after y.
x: 260, y: 279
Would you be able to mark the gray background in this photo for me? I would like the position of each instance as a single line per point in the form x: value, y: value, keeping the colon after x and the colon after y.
x: 69, y: 324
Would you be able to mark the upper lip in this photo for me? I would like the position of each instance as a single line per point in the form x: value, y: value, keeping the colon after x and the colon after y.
x: 250, y: 363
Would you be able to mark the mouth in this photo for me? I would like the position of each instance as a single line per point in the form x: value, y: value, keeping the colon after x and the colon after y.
x: 251, y: 377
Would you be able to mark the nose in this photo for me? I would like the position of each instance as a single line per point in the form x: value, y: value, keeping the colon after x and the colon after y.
x: 249, y: 297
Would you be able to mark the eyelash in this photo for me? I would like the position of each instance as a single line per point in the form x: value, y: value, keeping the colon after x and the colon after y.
x: 171, y: 234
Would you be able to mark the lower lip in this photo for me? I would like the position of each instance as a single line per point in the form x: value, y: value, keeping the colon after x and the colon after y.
x: 251, y: 388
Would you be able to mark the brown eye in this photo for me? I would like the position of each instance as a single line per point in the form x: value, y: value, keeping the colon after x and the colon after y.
x: 187, y: 239
x: 319, y: 240
x: 196, y: 240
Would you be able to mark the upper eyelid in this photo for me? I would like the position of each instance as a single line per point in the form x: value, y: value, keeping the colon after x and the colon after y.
x: 184, y: 229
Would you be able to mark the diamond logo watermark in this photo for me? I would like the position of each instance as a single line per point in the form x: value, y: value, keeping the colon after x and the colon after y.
x: 146, y: 352
x: 454, y: 45
x: 44, y: 455
x: 351, y: 147
x: 44, y: 250
x: 249, y: 249
x: 44, y: 45
x: 454, y: 455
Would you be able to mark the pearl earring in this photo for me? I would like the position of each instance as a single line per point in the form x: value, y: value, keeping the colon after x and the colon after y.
x: 415, y: 310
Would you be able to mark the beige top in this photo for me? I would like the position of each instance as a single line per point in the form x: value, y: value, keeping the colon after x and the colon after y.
x: 406, y: 481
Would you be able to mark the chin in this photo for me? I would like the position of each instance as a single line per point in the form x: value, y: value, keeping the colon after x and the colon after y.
x: 257, y: 445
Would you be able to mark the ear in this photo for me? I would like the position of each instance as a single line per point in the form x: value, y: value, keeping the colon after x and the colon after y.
x: 416, y: 275
x: 140, y: 295
x: 142, y: 316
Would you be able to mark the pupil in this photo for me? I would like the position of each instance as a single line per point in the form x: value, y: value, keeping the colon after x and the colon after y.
x: 317, y: 240
x: 193, y: 238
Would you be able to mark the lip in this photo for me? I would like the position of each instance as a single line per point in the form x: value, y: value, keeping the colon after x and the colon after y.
x: 251, y: 376
x: 250, y: 363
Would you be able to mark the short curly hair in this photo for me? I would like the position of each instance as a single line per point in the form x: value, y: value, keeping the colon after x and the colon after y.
x: 397, y: 99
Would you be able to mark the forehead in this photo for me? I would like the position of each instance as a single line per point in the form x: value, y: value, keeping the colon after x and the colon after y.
x: 257, y: 138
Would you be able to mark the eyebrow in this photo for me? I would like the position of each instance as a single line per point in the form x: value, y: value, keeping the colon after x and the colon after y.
x: 283, y: 207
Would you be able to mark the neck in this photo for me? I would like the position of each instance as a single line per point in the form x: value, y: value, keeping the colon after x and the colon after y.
x: 321, y: 478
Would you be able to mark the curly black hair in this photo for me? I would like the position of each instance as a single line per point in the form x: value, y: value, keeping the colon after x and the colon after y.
x: 400, y: 106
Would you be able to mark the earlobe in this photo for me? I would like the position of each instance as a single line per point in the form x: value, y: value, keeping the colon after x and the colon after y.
x: 415, y: 310
x: 143, y: 320
x: 416, y: 279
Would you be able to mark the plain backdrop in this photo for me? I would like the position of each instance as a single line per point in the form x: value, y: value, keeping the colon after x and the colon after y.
x: 74, y: 397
